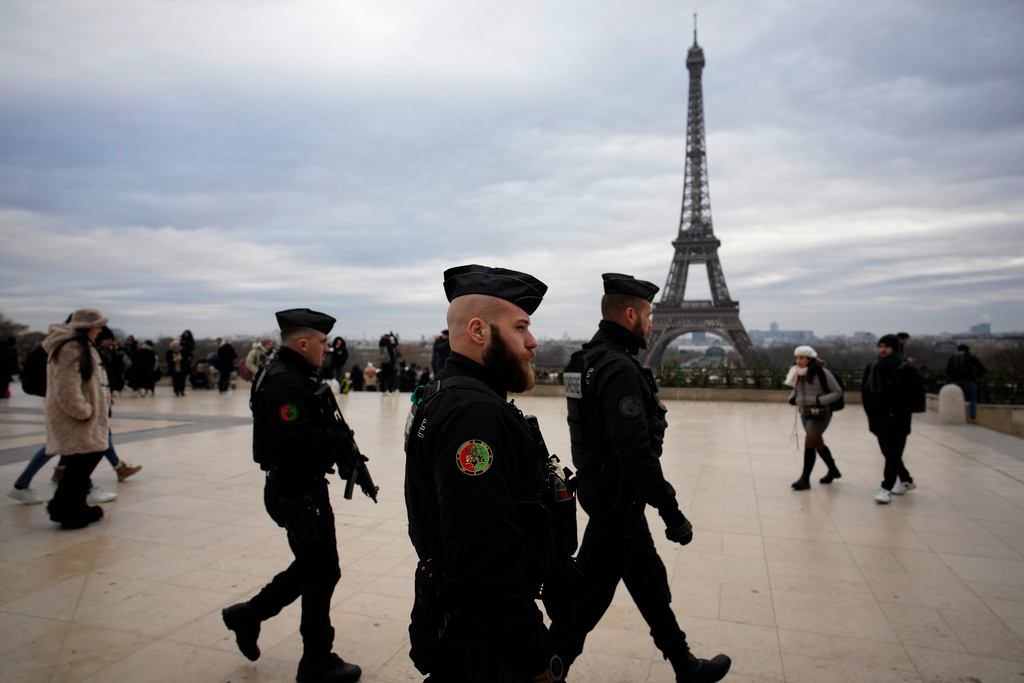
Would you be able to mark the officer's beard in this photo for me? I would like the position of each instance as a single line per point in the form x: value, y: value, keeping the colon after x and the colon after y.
x: 514, y: 371
x: 638, y: 332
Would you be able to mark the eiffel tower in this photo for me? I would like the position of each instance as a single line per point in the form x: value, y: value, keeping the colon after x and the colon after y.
x: 696, y: 244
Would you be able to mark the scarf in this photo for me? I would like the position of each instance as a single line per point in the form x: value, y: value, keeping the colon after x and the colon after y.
x: 794, y: 372
x: 879, y: 370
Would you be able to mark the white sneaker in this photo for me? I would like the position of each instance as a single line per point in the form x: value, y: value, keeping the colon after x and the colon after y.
x: 883, y: 495
x: 902, y: 487
x: 98, y: 495
x: 26, y: 496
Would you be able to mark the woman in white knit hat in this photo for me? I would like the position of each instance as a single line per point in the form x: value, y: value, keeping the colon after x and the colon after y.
x: 814, y: 389
x: 77, y: 413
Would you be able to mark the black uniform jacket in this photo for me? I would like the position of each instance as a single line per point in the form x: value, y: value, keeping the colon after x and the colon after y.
x: 473, y: 486
x: 616, y: 423
x: 891, y: 391
x: 291, y: 429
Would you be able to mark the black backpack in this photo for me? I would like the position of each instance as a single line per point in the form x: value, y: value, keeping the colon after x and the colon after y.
x: 33, y: 373
x: 841, y: 402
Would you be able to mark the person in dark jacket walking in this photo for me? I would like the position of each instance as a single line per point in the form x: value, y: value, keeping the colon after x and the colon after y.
x: 296, y: 439
x: 617, y: 427
x: 442, y: 348
x: 226, y: 358
x: 143, y: 376
x: 892, y: 392
x: 963, y: 370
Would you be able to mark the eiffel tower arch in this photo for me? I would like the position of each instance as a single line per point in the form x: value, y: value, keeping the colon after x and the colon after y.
x: 696, y: 244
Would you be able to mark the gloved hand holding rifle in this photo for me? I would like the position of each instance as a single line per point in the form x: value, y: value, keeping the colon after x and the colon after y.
x: 359, y: 474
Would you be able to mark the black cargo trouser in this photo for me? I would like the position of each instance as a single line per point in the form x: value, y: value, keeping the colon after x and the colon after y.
x: 312, y: 576
x: 617, y: 546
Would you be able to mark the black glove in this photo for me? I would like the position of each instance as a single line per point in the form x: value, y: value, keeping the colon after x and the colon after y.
x: 681, y: 533
x: 792, y: 400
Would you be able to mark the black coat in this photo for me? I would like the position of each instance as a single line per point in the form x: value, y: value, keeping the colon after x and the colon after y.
x: 442, y: 348
x: 616, y: 422
x: 226, y: 357
x: 292, y: 427
x: 143, y: 375
x: 892, y: 391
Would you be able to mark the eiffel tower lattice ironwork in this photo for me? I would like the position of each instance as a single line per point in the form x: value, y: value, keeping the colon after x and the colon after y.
x: 696, y: 244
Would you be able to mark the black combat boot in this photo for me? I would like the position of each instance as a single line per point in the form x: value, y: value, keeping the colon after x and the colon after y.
x: 689, y: 669
x: 833, y: 471
x: 804, y: 482
x: 328, y: 669
x: 239, y: 619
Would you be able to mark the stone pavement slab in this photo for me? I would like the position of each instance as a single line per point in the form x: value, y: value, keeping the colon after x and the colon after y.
x: 820, y: 585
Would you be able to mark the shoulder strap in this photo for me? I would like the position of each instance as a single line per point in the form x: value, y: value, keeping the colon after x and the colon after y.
x: 438, y: 386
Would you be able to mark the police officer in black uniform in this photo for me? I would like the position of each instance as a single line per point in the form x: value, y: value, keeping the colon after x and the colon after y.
x: 475, y: 493
x: 617, y: 426
x: 297, y: 440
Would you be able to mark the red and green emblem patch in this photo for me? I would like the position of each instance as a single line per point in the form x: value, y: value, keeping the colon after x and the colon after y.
x: 289, y: 412
x: 474, y: 457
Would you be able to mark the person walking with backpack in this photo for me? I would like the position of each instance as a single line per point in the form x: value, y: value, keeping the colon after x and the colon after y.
x: 892, y: 391
x: 816, y: 392
x: 964, y: 369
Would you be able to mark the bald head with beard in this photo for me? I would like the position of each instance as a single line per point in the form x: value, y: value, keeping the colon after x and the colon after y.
x: 496, y: 334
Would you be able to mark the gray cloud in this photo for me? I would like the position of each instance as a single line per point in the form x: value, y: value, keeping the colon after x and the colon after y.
x: 194, y: 164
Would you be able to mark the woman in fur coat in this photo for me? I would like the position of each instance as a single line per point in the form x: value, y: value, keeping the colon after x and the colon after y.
x: 814, y: 387
x: 77, y: 413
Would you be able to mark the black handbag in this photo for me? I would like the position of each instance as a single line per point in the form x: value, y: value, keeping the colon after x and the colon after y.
x: 815, y: 412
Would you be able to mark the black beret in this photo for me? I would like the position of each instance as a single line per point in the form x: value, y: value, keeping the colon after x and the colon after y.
x: 525, y: 291
x: 303, y: 317
x: 617, y: 283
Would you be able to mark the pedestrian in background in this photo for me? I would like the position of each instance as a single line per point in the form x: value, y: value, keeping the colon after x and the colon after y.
x: 892, y: 392
x: 964, y: 369
x: 815, y: 389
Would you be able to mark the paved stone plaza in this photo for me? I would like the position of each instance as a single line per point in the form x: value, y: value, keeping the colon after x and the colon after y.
x: 822, y: 585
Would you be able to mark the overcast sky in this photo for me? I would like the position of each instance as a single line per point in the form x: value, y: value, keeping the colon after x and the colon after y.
x: 202, y: 164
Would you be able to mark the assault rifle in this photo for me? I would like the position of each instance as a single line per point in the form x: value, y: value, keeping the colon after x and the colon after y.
x: 359, y: 474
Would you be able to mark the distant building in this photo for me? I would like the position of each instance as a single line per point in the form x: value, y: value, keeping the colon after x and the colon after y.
x: 982, y: 330
x: 776, y: 336
x: 864, y: 336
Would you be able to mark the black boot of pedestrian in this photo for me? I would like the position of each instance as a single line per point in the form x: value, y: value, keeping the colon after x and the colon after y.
x: 328, y: 669
x: 239, y: 619
x: 804, y: 482
x: 689, y: 669
x: 833, y: 471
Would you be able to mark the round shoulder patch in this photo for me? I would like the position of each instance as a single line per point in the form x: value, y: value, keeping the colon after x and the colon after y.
x: 289, y: 412
x: 474, y: 457
x: 631, y: 407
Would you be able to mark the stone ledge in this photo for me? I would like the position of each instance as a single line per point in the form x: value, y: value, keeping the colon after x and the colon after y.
x: 706, y: 394
x: 1008, y: 419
